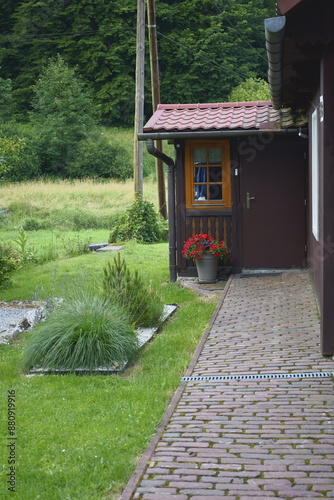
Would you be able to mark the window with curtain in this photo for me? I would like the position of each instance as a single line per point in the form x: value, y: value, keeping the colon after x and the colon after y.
x: 208, y: 174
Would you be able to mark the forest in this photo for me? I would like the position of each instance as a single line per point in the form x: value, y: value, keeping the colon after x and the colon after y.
x: 206, y: 48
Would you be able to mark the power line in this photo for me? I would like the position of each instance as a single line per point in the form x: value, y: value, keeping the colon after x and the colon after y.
x: 221, y: 66
x: 54, y: 36
x: 240, y: 34
x: 12, y: 38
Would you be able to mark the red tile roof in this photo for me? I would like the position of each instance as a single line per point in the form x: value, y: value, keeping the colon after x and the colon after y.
x: 217, y: 116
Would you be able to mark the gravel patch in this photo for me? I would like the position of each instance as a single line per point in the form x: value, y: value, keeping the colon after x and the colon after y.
x: 18, y: 316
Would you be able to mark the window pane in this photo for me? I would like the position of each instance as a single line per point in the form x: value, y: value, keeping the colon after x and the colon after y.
x: 216, y: 192
x: 215, y: 174
x: 200, y: 192
x: 200, y: 174
x: 215, y: 156
x: 199, y: 156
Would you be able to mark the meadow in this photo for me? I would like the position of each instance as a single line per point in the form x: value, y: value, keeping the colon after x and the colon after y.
x: 80, y: 437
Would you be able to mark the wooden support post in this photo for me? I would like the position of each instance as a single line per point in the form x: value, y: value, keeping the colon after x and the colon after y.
x: 139, y: 99
x: 155, y: 84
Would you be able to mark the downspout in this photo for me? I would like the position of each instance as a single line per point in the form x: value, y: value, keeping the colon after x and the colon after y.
x: 274, y: 34
x: 171, y: 205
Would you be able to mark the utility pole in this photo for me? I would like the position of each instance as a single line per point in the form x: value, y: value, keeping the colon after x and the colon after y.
x: 139, y: 99
x: 155, y: 84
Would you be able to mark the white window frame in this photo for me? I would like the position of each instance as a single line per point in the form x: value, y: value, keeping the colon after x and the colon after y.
x: 315, y: 174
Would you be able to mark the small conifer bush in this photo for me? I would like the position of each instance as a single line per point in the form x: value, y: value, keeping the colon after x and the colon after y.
x: 85, y: 331
x: 142, y: 303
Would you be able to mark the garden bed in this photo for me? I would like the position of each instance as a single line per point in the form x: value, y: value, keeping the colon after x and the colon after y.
x: 144, y: 335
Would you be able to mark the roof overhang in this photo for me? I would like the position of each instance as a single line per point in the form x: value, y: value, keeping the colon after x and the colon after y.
x: 295, y: 44
x: 218, y: 120
x: 286, y: 5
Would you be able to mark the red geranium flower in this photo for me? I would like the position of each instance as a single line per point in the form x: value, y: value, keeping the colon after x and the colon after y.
x: 197, y: 245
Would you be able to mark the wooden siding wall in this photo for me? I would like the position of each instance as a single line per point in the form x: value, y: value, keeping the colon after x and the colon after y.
x: 215, y: 223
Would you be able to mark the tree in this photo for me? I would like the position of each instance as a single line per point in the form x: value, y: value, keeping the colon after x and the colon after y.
x: 97, y: 36
x: 206, y: 48
x: 5, y: 99
x: 209, y: 48
x: 252, y: 89
x: 62, y: 114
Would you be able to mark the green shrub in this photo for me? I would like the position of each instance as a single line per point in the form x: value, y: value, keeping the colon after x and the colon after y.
x: 140, y: 222
x: 19, y: 159
x: 85, y: 331
x: 26, y: 252
x: 9, y: 261
x: 142, y: 303
x: 97, y: 158
x: 32, y: 224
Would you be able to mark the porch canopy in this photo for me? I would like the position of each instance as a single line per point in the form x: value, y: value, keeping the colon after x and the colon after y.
x: 209, y: 121
x: 215, y: 120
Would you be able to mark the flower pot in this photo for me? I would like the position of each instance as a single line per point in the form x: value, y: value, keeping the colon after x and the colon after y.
x: 207, y: 267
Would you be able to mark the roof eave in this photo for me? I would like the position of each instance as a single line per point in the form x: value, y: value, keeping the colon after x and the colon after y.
x: 286, y: 5
x: 212, y: 134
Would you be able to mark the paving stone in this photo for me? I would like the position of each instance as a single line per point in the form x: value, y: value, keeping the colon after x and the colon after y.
x: 253, y: 439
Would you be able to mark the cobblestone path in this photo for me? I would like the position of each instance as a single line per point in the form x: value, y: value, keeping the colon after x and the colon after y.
x: 228, y: 435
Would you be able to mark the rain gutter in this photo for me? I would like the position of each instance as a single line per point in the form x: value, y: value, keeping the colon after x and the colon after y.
x: 274, y: 35
x: 171, y: 204
x: 212, y: 134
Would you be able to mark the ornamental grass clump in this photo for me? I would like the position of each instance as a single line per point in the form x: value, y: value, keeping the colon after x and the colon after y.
x: 196, y: 246
x: 142, y: 303
x: 84, y: 332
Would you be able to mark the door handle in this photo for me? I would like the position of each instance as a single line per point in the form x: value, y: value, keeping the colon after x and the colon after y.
x: 248, y: 200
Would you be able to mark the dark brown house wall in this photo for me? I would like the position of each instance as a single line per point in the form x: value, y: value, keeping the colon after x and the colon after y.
x: 321, y: 249
x: 327, y: 196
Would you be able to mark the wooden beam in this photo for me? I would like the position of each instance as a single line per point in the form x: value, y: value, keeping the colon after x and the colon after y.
x: 155, y: 84
x: 139, y: 100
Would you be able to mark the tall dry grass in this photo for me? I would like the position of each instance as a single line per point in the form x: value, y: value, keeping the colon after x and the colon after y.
x: 79, y: 204
x: 99, y: 198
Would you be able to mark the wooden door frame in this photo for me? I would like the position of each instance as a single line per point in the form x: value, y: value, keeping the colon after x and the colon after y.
x: 241, y: 219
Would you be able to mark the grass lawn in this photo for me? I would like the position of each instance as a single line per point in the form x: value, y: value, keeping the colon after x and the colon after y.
x: 80, y: 437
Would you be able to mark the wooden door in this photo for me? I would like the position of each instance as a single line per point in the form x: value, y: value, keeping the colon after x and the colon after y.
x: 273, y: 193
